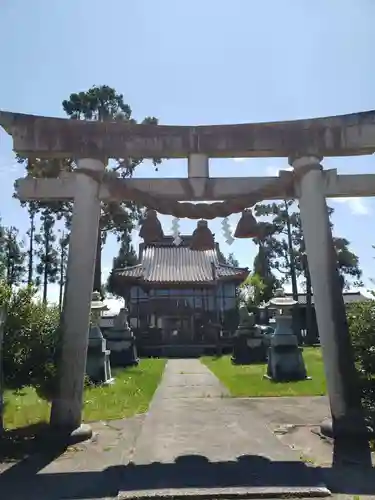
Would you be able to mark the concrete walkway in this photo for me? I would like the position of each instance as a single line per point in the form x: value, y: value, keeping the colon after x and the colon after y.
x: 194, y: 436
x: 194, y: 441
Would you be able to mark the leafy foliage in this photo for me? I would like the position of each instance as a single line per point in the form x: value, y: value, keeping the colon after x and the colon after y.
x: 13, y: 256
x: 30, y: 339
x: 361, y: 321
x: 252, y: 290
x: 126, y: 257
x: 284, y: 246
x: 231, y: 260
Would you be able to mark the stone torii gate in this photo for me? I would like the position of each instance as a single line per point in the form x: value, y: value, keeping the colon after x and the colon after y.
x: 303, y: 142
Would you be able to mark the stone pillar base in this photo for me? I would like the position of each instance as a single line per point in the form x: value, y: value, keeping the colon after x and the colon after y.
x: 285, y: 360
x: 65, y: 436
x: 351, y: 426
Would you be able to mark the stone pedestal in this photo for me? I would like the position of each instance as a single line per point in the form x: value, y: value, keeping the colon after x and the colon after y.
x: 285, y: 360
x: 98, y: 366
x: 248, y: 350
x: 249, y: 345
x: 121, y: 342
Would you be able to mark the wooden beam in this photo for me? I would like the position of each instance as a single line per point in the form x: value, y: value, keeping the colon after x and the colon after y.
x: 358, y: 185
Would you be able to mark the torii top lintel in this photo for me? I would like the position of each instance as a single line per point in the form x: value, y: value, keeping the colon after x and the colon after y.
x: 40, y: 136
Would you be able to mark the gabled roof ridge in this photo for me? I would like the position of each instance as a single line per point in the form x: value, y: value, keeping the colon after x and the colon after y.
x: 128, y: 267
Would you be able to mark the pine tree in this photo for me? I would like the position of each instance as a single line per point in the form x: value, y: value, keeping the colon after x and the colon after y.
x: 14, y: 256
x: 48, y: 266
x: 102, y: 103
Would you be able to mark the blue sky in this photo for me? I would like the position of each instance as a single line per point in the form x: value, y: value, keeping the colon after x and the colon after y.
x: 196, y: 62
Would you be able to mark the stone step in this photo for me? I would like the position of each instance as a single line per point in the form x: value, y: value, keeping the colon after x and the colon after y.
x: 226, y: 493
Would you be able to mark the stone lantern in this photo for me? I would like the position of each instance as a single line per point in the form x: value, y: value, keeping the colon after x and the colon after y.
x: 98, y: 366
x: 285, y: 360
x: 121, y: 341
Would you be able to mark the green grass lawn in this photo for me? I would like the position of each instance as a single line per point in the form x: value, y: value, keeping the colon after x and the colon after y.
x: 248, y: 381
x: 130, y: 394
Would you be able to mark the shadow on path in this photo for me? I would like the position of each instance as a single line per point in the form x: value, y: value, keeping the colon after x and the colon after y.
x: 192, y: 472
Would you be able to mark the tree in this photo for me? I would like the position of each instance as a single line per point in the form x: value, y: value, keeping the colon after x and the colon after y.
x: 63, y: 260
x: 48, y: 266
x: 126, y: 257
x: 252, y: 290
x: 14, y: 257
x: 232, y: 261
x: 102, y: 103
x: 2, y: 253
x: 287, y: 246
x: 32, y: 210
x: 263, y: 261
x: 286, y: 252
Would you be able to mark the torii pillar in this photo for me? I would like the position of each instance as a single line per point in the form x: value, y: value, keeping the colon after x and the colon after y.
x: 338, y: 355
x: 66, y: 412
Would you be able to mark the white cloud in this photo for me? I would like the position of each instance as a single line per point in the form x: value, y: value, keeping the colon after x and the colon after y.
x: 357, y: 206
x: 239, y: 160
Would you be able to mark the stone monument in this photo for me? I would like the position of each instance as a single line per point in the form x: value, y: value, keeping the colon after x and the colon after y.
x: 285, y: 361
x: 121, y: 341
x: 98, y: 366
x: 249, y: 343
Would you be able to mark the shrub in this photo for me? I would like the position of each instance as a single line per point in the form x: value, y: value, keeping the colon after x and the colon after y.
x: 361, y: 320
x: 30, y: 339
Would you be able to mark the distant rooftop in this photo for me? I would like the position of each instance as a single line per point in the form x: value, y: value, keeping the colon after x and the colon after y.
x: 349, y: 297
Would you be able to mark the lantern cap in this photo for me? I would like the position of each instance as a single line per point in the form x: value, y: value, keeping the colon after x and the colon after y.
x: 280, y: 300
x: 96, y: 302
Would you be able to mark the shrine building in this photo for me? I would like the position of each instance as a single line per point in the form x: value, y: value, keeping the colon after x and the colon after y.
x: 179, y: 297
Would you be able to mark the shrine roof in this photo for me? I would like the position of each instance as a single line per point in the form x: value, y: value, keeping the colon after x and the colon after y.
x: 166, y: 263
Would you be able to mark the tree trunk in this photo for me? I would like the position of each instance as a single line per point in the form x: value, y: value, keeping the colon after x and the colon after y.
x: 61, y: 284
x: 98, y: 265
x: 293, y: 276
x: 30, y: 265
x: 45, y: 270
x: 9, y: 265
x: 311, y: 330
